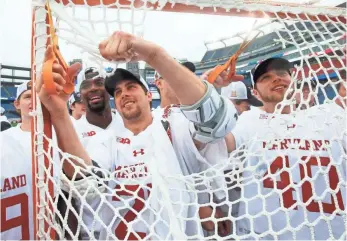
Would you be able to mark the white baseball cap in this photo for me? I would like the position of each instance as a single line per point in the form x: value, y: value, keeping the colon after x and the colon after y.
x: 23, y: 87
x: 2, y: 110
x: 75, y: 97
x: 237, y: 91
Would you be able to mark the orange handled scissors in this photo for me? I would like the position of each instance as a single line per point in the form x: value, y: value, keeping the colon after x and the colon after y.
x: 230, y: 65
x: 47, y: 69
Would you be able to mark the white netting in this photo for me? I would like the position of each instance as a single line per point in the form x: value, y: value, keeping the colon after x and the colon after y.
x: 286, y: 180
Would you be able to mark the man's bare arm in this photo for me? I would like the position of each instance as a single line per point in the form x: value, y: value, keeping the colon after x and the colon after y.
x: 230, y: 142
x: 122, y: 46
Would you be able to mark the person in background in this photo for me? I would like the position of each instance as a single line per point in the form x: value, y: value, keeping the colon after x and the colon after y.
x: 167, y: 95
x: 76, y: 107
x: 3, y: 120
x: 305, y: 94
x: 240, y: 96
x: 340, y: 86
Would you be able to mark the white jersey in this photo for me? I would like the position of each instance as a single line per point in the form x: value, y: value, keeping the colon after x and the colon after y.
x: 282, y: 151
x: 16, y: 189
x: 87, y: 131
x: 91, y: 135
x: 142, y: 164
x: 16, y: 184
x: 158, y: 111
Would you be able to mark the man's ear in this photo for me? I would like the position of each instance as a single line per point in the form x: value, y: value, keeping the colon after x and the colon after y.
x: 16, y: 104
x: 158, y: 83
x: 149, y: 96
x: 256, y: 94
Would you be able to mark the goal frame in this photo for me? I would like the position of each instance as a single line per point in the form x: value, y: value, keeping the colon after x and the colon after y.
x: 39, y: 142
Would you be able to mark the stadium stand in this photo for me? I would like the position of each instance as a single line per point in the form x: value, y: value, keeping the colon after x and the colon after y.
x: 268, y: 46
x: 11, y: 76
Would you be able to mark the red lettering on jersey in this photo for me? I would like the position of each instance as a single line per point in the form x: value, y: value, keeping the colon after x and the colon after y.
x: 14, y: 182
x: 132, y: 171
x: 123, y: 140
x: 317, y: 144
x: 299, y: 142
x: 305, y: 145
x: 284, y: 145
x: 135, y: 153
x: 7, y: 185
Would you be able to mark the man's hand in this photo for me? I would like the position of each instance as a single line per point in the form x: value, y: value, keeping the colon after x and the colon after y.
x: 55, y: 103
x: 224, y: 227
x: 121, y: 46
x: 222, y: 80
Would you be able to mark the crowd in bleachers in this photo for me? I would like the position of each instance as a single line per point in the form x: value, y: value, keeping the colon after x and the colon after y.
x: 8, y: 94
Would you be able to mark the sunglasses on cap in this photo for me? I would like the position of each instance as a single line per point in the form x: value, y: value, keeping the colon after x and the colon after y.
x: 92, y: 73
x: 92, y: 76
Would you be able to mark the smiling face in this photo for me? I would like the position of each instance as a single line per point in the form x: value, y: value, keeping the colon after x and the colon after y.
x: 23, y: 104
x: 306, y: 95
x: 94, y: 95
x: 166, y: 91
x: 78, y: 109
x: 132, y: 100
x: 271, y: 86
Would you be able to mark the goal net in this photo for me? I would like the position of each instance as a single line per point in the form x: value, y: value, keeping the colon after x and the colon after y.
x: 285, y: 181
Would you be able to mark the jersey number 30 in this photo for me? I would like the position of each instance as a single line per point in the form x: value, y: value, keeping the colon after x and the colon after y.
x: 306, y: 186
x: 19, y: 221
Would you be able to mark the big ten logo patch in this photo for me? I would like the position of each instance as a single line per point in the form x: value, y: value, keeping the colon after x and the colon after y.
x: 123, y: 140
x: 88, y: 133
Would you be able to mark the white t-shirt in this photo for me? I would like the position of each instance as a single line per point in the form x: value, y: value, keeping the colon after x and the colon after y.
x: 291, y: 148
x: 16, y: 185
x: 168, y: 156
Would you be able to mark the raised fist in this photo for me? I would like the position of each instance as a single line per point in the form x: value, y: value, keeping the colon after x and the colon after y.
x: 124, y: 47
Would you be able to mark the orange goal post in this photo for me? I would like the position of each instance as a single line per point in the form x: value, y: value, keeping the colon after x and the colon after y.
x: 306, y: 30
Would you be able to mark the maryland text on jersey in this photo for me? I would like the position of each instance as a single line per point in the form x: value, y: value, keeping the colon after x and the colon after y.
x: 11, y: 183
x: 131, y: 171
x: 295, y: 143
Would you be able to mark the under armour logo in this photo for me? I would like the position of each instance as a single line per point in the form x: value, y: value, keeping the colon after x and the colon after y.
x: 142, y: 152
x: 292, y: 126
